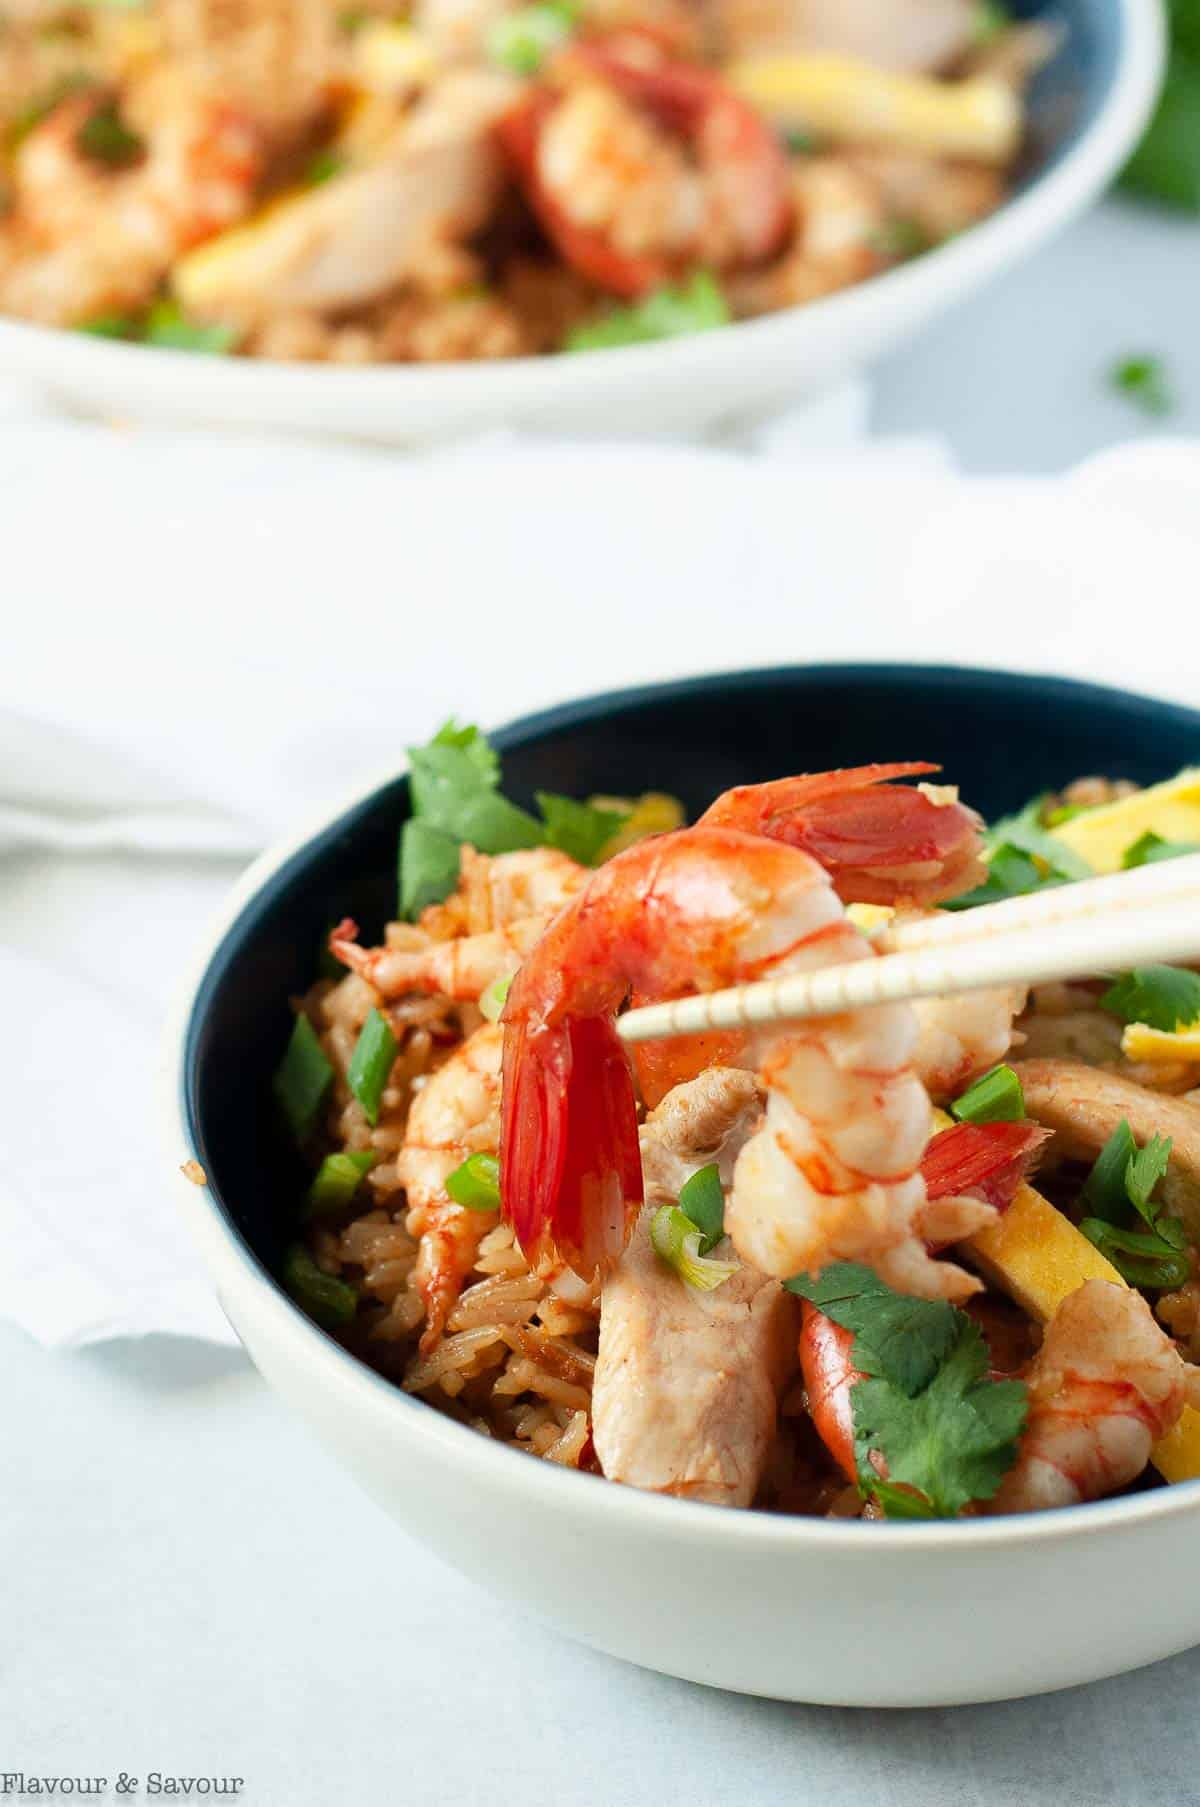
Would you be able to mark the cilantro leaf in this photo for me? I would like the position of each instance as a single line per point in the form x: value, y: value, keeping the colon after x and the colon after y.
x: 955, y: 1440
x: 429, y: 865
x: 899, y: 1339
x: 1152, y: 1259
x: 450, y: 793
x: 167, y: 325
x: 694, y: 307
x: 1104, y: 1195
x: 475, y: 744
x: 1165, y: 997
x: 1143, y: 1173
x: 1027, y: 832
x: 579, y: 829
x: 1011, y: 873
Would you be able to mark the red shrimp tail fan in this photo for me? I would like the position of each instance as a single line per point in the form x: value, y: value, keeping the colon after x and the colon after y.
x: 570, y: 1165
x: 987, y: 1161
x: 881, y: 843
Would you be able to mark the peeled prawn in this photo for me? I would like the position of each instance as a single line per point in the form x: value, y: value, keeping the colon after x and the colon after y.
x: 455, y: 1114
x: 508, y: 900
x: 832, y: 1174
x: 1105, y: 1385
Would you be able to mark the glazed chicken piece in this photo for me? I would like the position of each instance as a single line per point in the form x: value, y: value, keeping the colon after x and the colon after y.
x: 687, y: 1382
x: 1105, y: 1385
x: 892, y: 34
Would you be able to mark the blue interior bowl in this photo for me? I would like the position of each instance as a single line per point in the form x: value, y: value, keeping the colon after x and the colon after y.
x: 1001, y: 736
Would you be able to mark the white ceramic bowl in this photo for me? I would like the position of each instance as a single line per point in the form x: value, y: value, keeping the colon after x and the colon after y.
x: 804, y: 1609
x: 1110, y: 69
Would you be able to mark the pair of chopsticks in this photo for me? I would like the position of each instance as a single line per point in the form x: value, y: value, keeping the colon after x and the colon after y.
x: 1097, y: 925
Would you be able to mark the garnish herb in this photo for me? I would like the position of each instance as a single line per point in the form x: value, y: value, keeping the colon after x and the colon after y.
x: 1022, y: 857
x: 303, y: 1079
x: 1166, y: 165
x: 370, y: 1063
x: 109, y: 326
x: 326, y: 1299
x: 798, y: 142
x: 337, y: 1180
x: 580, y: 829
x: 1143, y: 381
x: 676, y: 1240
x: 901, y: 239
x: 1150, y: 847
x: 323, y: 166
x: 429, y: 865
x: 1164, y: 997
x: 693, y: 307
x: 522, y: 41
x: 105, y: 138
x: 996, y: 1098
x: 989, y: 21
x: 1121, y: 1184
x: 702, y: 1199
x: 925, y: 1406
x: 476, y: 1184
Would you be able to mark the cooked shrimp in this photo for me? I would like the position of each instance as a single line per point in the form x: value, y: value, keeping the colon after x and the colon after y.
x: 455, y: 1114
x: 640, y: 167
x: 503, y: 905
x: 102, y: 239
x: 687, y: 1383
x: 833, y: 1172
x: 1105, y: 1385
x: 964, y: 1036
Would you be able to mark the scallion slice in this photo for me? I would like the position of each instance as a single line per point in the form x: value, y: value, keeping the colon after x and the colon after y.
x: 675, y: 1239
x: 702, y: 1199
x: 303, y: 1079
x: 337, y: 1180
x: 492, y: 998
x: 1151, y: 847
x: 326, y: 1299
x: 996, y: 1098
x: 371, y: 1062
x: 476, y: 1184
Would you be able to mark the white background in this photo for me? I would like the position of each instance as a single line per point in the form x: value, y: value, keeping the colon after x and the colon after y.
x: 188, y: 1585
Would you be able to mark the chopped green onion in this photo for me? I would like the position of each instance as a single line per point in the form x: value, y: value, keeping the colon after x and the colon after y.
x: 996, y: 1098
x: 899, y: 240
x: 109, y: 326
x: 105, y: 138
x: 337, y: 1180
x: 326, y: 1299
x: 1151, y: 847
x: 167, y: 326
x: 492, y: 1000
x: 1164, y: 997
x: 1144, y: 1258
x: 989, y: 21
x: 1143, y: 381
x: 371, y: 1062
x: 1104, y: 1193
x: 476, y: 1184
x: 303, y: 1079
x: 323, y: 165
x: 522, y: 41
x: 898, y: 1502
x: 693, y: 307
x: 702, y: 1199
x: 675, y: 1239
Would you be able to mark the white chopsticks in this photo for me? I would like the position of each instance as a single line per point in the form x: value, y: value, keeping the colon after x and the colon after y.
x: 1100, y: 925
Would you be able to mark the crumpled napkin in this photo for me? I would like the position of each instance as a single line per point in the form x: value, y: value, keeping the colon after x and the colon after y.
x: 206, y: 638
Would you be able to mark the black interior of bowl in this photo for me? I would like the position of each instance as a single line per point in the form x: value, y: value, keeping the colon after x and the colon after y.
x: 1001, y: 737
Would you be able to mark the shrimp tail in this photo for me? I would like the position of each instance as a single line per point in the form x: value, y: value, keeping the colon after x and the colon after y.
x: 570, y: 1164
x: 881, y: 843
x: 829, y: 1380
x: 985, y: 1161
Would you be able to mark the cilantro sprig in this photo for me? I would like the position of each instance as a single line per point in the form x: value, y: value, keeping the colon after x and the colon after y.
x: 1118, y: 1193
x: 1023, y: 856
x: 1164, y: 997
x: 925, y: 1406
x: 692, y: 307
x: 456, y: 797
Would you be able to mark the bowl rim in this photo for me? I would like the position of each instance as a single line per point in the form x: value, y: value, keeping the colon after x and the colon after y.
x: 229, y: 1257
x: 1023, y: 221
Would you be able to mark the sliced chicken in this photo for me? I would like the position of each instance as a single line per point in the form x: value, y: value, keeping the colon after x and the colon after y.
x: 687, y: 1383
x: 1083, y: 1107
x: 911, y: 35
x: 360, y: 234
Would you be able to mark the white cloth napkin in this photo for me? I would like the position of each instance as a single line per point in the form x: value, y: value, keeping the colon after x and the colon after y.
x: 204, y: 639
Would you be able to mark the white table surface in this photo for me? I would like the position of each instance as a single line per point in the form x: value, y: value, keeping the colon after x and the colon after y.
x: 188, y: 1586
